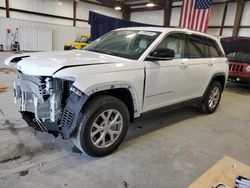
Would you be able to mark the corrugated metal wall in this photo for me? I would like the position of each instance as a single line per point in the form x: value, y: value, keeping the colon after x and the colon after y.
x: 35, y: 39
x: 60, y: 33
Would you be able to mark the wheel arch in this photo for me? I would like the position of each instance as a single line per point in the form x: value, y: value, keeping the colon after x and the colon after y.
x: 125, y: 94
x: 220, y: 77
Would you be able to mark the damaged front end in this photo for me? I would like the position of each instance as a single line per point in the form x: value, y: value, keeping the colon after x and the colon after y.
x: 49, y: 104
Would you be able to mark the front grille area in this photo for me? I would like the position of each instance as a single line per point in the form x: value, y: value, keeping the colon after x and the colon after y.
x: 236, y: 67
x: 67, y: 118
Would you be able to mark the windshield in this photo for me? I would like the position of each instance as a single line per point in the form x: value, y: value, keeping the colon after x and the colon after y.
x: 129, y: 44
x: 239, y: 56
x: 82, y: 39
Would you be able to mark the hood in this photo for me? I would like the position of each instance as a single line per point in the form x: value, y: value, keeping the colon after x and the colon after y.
x: 47, y: 63
x: 236, y: 44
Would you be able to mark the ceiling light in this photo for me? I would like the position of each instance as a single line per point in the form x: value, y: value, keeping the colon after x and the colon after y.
x: 118, y: 8
x: 150, y: 4
x: 60, y: 3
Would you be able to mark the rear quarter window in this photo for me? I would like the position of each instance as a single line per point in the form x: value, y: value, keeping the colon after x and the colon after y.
x: 196, y: 48
x: 214, y: 49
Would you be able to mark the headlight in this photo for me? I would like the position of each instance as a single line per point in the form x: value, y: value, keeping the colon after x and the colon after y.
x: 248, y: 68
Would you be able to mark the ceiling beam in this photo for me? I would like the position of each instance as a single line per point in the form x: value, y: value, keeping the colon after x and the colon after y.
x: 223, y: 19
x: 109, y: 3
x: 7, y: 5
x: 126, y: 13
x: 238, y: 16
x: 167, y: 13
x: 94, y: 3
x: 160, y: 3
x: 143, y: 9
x: 74, y: 12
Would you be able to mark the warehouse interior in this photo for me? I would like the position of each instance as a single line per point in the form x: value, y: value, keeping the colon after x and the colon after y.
x: 175, y: 149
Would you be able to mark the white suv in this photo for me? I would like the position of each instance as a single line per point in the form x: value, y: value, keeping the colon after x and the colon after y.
x: 93, y: 94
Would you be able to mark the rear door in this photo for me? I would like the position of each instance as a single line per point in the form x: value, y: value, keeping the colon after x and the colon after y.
x: 198, y: 71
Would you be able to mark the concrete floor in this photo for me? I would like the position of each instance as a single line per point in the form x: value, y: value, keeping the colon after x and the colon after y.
x: 168, y: 150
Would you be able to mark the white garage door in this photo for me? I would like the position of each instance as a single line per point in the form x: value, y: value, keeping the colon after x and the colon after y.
x: 35, y: 39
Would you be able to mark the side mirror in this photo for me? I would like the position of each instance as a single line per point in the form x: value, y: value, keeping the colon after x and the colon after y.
x: 161, y: 54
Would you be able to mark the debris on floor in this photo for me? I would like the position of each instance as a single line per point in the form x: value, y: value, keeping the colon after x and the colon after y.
x: 3, y: 89
x: 6, y: 70
x: 24, y: 173
x: 223, y: 173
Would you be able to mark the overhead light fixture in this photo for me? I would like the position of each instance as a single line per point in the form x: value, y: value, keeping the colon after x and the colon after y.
x: 118, y: 8
x: 150, y: 4
x: 60, y: 3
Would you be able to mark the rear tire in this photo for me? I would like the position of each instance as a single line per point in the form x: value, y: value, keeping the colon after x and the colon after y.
x: 102, y: 126
x: 212, y: 98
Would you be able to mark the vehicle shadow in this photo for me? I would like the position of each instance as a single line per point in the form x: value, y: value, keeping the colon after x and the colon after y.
x: 154, y: 122
x: 238, y: 88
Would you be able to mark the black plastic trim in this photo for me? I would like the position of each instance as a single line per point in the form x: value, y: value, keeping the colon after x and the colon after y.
x: 74, y: 105
x: 212, y: 79
x: 171, y: 107
x: 82, y: 65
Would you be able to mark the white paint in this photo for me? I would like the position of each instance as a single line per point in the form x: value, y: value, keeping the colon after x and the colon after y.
x: 227, y: 32
x: 245, y: 20
x: 2, y: 13
x: 45, y: 6
x: 148, y: 17
x: 244, y: 32
x: 175, y: 16
x: 82, y: 10
x: 44, y: 19
x: 213, y: 31
x: 231, y: 11
x: 60, y: 33
x: 2, y: 3
x: 121, y: 72
x: 59, y: 8
x: 35, y: 39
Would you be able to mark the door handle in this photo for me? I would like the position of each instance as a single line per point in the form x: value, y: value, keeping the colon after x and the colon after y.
x: 183, y: 65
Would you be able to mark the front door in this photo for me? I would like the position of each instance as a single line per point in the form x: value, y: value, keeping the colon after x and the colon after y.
x: 165, y: 83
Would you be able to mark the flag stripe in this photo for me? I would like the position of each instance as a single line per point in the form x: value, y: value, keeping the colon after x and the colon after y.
x: 191, y: 12
x: 195, y: 14
x: 207, y: 20
x: 202, y: 20
x: 193, y: 19
x: 181, y: 18
x: 185, y: 15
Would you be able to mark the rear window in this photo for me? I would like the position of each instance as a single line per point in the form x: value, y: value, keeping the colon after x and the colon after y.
x: 196, y: 46
x: 202, y: 47
x: 214, y: 49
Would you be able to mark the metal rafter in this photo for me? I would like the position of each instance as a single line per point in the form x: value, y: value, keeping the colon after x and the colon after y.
x: 7, y: 8
x: 238, y: 16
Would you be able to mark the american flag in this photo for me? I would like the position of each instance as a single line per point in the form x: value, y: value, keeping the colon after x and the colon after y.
x: 195, y: 14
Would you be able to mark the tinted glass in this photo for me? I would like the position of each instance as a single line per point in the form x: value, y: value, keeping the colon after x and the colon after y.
x: 196, y: 47
x: 239, y: 56
x: 175, y: 42
x: 214, y: 49
x: 129, y: 44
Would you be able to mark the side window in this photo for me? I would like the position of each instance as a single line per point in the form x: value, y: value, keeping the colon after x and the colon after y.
x: 196, y: 47
x: 175, y: 42
x: 214, y: 49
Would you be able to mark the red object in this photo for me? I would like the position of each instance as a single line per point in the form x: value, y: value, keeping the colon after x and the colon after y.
x: 237, y: 68
x: 195, y: 14
x: 8, y: 30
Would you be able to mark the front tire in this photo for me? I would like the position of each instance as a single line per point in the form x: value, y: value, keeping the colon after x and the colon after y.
x: 103, y: 125
x: 212, y: 98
